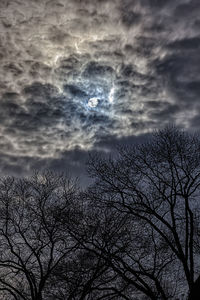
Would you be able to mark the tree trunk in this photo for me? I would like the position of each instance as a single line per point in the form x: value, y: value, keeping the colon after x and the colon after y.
x: 195, y: 290
x: 39, y: 296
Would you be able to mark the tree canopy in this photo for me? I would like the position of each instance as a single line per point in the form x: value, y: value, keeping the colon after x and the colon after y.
x: 133, y: 234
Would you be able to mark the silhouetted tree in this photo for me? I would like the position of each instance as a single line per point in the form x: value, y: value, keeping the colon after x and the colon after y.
x: 32, y: 240
x: 41, y: 253
x: 134, y: 234
x: 89, y: 275
x: 132, y: 250
x: 157, y: 184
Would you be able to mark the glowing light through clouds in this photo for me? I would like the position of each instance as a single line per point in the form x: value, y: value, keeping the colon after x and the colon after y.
x: 93, y: 102
x: 80, y: 75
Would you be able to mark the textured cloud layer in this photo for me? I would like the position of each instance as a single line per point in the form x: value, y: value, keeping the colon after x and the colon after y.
x: 139, y: 60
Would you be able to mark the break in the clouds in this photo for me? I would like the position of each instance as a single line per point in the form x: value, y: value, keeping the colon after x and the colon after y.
x: 78, y: 74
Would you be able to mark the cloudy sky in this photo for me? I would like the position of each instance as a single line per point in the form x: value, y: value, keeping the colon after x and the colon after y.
x: 84, y: 75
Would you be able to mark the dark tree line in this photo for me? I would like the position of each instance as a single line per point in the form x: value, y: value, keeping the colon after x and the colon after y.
x: 133, y: 234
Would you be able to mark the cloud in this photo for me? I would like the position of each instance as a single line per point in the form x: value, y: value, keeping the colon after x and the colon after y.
x: 130, y: 18
x: 94, y: 69
x: 186, y: 44
x: 140, y: 59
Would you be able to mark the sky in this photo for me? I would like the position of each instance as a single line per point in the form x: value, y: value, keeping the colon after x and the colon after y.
x: 82, y: 76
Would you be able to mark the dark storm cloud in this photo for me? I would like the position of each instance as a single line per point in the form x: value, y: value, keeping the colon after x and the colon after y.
x: 186, y: 44
x: 40, y: 109
x: 38, y: 90
x: 195, y: 122
x: 180, y: 71
x: 190, y: 8
x: 19, y: 166
x: 80, y: 76
x: 130, y: 18
x: 74, y: 90
x: 113, y: 142
x: 94, y: 69
x: 158, y: 3
x: 165, y: 112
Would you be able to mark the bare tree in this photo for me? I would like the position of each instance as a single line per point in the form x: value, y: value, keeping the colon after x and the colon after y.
x: 89, y: 274
x: 32, y: 240
x: 134, y: 234
x: 157, y: 183
x: 133, y: 251
x: 43, y: 222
